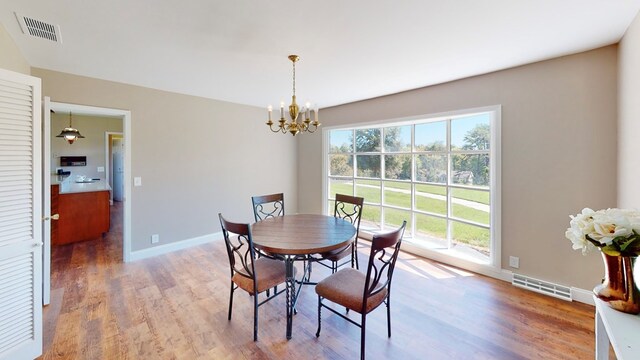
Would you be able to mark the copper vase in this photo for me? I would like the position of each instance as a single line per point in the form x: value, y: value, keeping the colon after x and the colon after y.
x: 618, y: 288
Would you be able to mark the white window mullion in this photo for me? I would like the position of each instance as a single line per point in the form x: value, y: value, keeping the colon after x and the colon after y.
x: 448, y: 188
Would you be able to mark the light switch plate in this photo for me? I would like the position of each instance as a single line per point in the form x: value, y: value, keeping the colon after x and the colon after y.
x: 100, y: 168
x: 155, y: 238
x: 137, y: 181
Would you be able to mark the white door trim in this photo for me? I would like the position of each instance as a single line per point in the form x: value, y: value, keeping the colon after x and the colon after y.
x: 125, y: 115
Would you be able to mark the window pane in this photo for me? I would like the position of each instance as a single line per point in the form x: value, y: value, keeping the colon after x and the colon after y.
x: 431, y: 198
x: 397, y: 194
x: 471, y: 133
x: 397, y: 138
x: 471, y: 205
x: 341, y: 165
x: 397, y: 167
x: 331, y: 207
x: 432, y: 231
x: 431, y: 136
x: 341, y: 141
x: 369, y: 190
x: 368, y: 166
x: 473, y: 237
x: 393, y: 219
x: 370, y: 217
x: 340, y: 186
x: 470, y: 169
x: 431, y: 168
x: 368, y: 140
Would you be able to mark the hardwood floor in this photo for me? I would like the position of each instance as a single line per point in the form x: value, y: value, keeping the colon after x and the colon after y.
x: 174, y: 306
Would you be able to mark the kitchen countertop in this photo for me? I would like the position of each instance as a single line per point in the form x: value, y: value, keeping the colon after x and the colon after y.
x: 69, y: 185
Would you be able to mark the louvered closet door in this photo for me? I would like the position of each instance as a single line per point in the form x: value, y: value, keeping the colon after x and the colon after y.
x: 20, y: 217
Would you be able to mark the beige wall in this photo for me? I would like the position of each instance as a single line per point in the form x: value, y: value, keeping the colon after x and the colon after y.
x: 629, y: 118
x: 196, y: 156
x: 92, y: 145
x: 558, y: 152
x: 10, y: 57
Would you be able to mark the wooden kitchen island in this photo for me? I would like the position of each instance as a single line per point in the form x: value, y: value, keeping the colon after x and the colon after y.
x: 83, y: 209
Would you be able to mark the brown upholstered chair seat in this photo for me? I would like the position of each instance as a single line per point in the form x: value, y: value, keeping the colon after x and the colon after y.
x: 269, y: 273
x: 346, y: 287
x: 337, y: 254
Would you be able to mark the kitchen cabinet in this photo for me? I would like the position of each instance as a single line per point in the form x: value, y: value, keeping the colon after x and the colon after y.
x: 84, y: 212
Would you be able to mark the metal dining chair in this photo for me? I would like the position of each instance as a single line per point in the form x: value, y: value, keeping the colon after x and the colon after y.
x: 347, y: 208
x: 268, y: 206
x: 248, y: 272
x: 361, y: 292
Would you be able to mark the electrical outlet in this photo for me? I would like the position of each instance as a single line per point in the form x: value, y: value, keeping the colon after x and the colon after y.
x: 137, y: 181
x: 514, y: 262
x: 155, y: 238
x: 100, y: 168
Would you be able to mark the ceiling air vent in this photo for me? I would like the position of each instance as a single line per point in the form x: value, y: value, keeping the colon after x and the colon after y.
x: 39, y: 29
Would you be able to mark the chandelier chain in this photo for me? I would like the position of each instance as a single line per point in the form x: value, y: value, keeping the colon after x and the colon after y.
x: 294, y: 78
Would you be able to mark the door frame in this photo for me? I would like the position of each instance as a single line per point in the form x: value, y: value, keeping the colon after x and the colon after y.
x: 107, y: 157
x: 125, y: 115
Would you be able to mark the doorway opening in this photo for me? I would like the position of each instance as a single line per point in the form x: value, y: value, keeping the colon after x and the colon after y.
x: 114, y: 160
x: 92, y: 122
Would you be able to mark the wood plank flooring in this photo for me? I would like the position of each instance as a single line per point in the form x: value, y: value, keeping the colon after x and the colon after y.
x: 174, y: 306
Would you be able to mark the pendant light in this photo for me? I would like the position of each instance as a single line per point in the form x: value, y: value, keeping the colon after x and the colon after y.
x: 70, y: 133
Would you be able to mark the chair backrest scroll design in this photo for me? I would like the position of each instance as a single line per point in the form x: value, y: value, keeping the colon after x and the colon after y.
x: 239, y: 244
x: 381, y: 264
x: 268, y: 206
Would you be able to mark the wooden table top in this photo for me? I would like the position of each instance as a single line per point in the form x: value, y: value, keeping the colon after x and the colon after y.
x: 302, y: 234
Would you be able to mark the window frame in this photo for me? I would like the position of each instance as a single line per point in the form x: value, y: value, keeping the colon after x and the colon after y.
x: 493, y: 267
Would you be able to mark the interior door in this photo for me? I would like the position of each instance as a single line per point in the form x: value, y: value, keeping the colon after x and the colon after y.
x: 20, y: 217
x: 118, y: 169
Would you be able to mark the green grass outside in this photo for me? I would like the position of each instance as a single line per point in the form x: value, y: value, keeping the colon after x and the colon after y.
x: 482, y: 197
x: 463, y: 233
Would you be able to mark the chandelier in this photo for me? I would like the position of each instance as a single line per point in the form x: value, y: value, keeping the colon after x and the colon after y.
x: 293, y: 126
x: 70, y: 133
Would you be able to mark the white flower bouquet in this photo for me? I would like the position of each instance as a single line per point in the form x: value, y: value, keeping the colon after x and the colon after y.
x: 615, y: 232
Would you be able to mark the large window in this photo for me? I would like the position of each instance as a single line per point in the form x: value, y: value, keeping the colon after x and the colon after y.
x: 435, y: 173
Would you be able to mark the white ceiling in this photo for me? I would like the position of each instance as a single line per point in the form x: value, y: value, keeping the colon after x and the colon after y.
x: 236, y: 50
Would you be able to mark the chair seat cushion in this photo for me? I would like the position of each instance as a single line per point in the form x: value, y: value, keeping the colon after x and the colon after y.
x: 337, y: 254
x: 346, y: 288
x: 269, y: 273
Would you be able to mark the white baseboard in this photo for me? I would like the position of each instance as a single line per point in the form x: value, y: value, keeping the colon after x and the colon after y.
x: 582, y: 295
x: 174, y: 246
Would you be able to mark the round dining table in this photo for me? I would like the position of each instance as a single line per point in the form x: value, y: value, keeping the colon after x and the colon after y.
x: 297, y: 238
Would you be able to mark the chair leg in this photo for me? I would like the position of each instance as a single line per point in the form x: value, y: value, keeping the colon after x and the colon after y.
x: 363, y: 329
x: 355, y: 256
x: 231, y: 300
x: 319, y: 315
x: 255, y: 317
x: 388, y: 316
